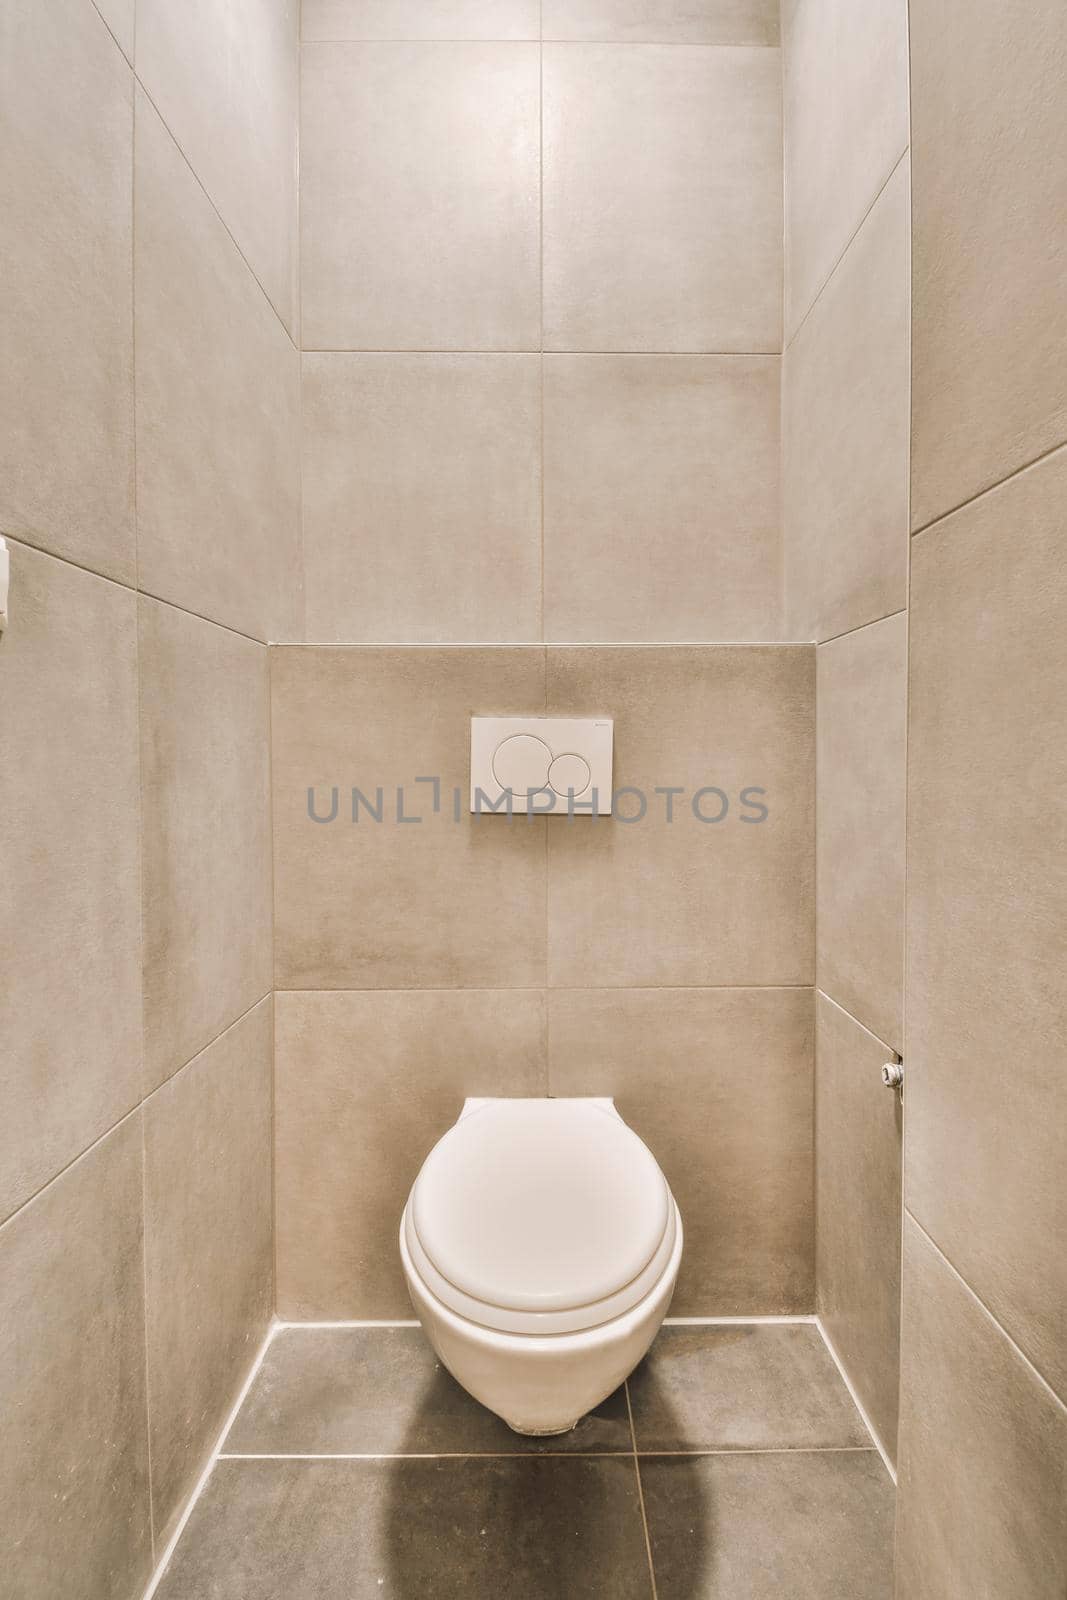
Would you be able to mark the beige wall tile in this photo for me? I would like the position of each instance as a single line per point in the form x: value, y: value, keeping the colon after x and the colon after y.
x: 857, y: 1207
x: 990, y: 183
x: 119, y: 15
x: 662, y: 198
x: 218, y: 411
x: 421, y: 19
x: 419, y: 196
x: 74, y: 1467
x: 862, y: 693
x: 663, y: 21
x: 70, y: 923
x: 384, y: 904
x: 845, y: 435
x: 661, y: 497
x: 846, y: 127
x: 66, y: 322
x: 422, y: 497
x: 366, y: 1084
x: 983, y: 1449
x: 209, y: 1257
x: 225, y: 81
x: 718, y: 1082
x: 987, y: 903
x: 206, y: 801
x: 689, y: 902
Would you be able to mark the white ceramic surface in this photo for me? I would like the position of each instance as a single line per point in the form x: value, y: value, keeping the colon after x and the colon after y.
x: 544, y: 1382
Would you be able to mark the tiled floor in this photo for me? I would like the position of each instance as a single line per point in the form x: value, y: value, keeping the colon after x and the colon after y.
x: 733, y: 1466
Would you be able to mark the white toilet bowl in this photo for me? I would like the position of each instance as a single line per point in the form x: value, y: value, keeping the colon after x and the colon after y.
x: 541, y: 1245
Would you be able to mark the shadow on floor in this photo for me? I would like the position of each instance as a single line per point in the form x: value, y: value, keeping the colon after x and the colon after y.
x: 548, y: 1519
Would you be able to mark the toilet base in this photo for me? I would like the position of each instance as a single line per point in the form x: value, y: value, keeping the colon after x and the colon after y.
x: 534, y: 1381
x: 541, y: 1433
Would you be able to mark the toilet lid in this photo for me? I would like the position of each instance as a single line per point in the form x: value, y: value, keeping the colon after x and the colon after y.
x: 540, y: 1208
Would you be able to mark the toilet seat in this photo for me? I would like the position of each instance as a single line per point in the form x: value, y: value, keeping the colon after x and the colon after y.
x: 540, y: 1216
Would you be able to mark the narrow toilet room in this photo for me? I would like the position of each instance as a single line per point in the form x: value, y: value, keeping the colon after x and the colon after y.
x: 533, y: 624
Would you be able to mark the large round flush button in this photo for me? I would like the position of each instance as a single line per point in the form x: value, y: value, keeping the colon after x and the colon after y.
x: 569, y: 773
x: 521, y: 763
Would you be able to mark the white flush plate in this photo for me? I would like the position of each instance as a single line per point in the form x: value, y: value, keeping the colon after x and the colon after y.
x: 548, y: 765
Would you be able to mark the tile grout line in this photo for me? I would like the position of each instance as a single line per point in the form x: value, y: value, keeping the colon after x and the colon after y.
x: 1034, y: 1371
x: 980, y: 494
x: 120, y: 47
x: 506, y: 644
x: 141, y: 808
x: 853, y: 236
x: 872, y: 622
x: 905, y: 776
x: 285, y: 1326
x: 829, y: 998
x: 563, y: 988
x: 144, y: 1322
x: 640, y: 1490
x: 133, y: 1110
x: 591, y: 43
x: 621, y: 1454
x: 201, y: 1483
x: 520, y: 350
x: 275, y: 313
x: 815, y: 968
x: 802, y: 1319
x: 541, y: 309
x: 24, y: 539
x: 858, y: 1403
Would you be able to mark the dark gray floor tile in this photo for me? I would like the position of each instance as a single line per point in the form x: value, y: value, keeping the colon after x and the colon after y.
x: 815, y: 1526
x: 543, y: 1528
x: 751, y: 1386
x: 382, y: 1391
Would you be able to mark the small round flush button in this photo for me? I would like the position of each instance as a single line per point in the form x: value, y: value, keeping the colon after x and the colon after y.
x: 569, y: 773
x: 521, y: 763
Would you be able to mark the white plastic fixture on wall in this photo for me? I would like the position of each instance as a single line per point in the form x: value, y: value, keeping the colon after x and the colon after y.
x: 548, y: 765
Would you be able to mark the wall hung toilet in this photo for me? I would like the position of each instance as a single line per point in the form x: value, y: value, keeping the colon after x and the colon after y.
x: 541, y: 1245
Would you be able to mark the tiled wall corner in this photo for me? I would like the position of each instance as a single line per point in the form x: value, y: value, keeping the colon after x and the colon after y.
x: 661, y: 502
x: 845, y: 406
x: 388, y: 904
x: 984, y: 1376
x: 209, y: 1248
x: 983, y: 1464
x: 135, y: 737
x: 714, y: 898
x: 66, y: 403
x: 662, y: 21
x: 225, y: 80
x: 662, y: 198
x: 205, y: 779
x: 858, y: 1128
x: 74, y: 1471
x: 692, y: 935
x: 419, y: 206
x: 718, y: 1083
x: 70, y: 951
x: 422, y: 497
x: 218, y: 409
x: 366, y: 1083
x: 862, y: 693
x: 987, y: 903
x: 845, y: 435
x: 990, y: 135
x: 541, y: 322
x: 846, y: 127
